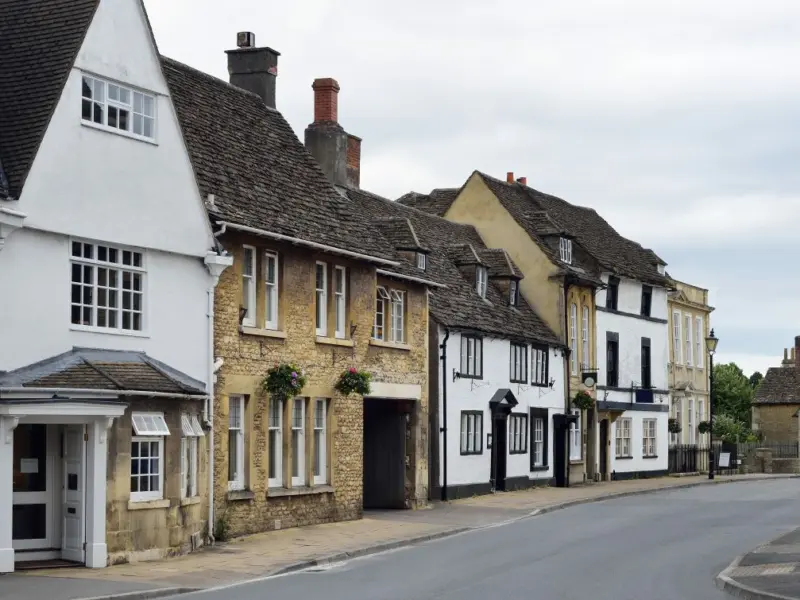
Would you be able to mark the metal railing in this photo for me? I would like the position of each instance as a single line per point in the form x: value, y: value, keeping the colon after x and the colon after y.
x: 693, y: 458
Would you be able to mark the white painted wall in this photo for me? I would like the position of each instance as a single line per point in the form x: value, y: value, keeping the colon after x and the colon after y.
x: 474, y: 395
x: 637, y: 462
x: 35, y: 306
x: 105, y: 186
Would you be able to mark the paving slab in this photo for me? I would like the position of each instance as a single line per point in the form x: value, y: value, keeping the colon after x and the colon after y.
x: 19, y: 587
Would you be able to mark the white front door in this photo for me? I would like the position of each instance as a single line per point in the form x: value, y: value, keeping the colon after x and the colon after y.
x: 32, y: 523
x: 72, y: 547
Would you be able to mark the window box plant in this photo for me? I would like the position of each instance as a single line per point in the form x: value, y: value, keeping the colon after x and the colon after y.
x: 583, y: 401
x: 354, y: 381
x: 704, y: 427
x: 284, y: 381
x: 674, y: 426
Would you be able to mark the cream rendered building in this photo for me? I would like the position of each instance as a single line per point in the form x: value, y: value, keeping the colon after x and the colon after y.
x: 689, y: 324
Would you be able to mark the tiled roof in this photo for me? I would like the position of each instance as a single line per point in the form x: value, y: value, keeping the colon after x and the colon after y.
x: 781, y: 385
x: 261, y: 175
x: 499, y: 263
x: 39, y: 40
x: 399, y: 232
x: 435, y: 203
x: 462, y: 254
x: 87, y: 368
x: 458, y: 305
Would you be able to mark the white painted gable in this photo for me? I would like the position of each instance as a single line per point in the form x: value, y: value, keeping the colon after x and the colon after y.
x: 101, y: 185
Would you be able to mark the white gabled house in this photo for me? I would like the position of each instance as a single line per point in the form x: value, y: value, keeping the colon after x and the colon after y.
x: 108, y: 268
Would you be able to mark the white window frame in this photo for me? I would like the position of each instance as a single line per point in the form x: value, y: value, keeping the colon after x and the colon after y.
x: 677, y: 343
x: 539, y: 363
x: 142, y: 107
x: 622, y: 437
x: 519, y: 363
x: 120, y: 263
x: 573, y: 341
x: 690, y: 424
x: 382, y: 301
x: 238, y: 481
x: 649, y: 438
x: 398, y: 335
x: 677, y: 415
x: 249, y: 286
x: 699, y: 334
x: 340, y: 301
x: 471, y: 433
x: 585, y: 338
x: 320, y: 441
x: 513, y: 292
x: 422, y: 261
x: 576, y: 437
x: 538, y: 442
x: 687, y: 330
x: 701, y: 408
x: 299, y: 447
x: 481, y: 281
x: 565, y: 250
x: 271, y: 291
x: 158, y: 494
x: 471, y: 357
x: 517, y: 433
x: 321, y: 299
x: 275, y: 447
x: 191, y: 430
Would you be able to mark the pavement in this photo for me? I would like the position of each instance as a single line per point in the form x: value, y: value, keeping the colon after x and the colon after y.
x: 294, y: 549
x: 666, y: 546
x: 770, y: 572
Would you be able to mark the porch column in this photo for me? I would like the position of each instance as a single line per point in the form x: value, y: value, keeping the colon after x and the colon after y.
x: 96, y: 464
x: 7, y: 426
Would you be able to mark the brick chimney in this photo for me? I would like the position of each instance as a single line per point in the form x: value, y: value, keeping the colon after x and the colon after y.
x: 522, y: 181
x: 796, y: 351
x: 510, y: 177
x: 336, y: 151
x: 253, y: 69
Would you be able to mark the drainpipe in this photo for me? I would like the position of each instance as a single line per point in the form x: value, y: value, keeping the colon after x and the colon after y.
x: 443, y: 346
x: 567, y: 371
x: 209, y: 416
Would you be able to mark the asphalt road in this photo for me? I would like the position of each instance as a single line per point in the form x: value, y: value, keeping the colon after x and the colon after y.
x: 668, y: 545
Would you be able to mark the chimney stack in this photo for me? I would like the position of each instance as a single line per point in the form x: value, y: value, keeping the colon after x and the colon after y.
x: 796, y: 352
x: 510, y: 177
x: 522, y: 181
x: 253, y: 69
x: 336, y: 151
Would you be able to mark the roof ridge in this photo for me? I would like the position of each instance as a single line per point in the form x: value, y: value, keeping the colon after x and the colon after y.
x: 102, y: 373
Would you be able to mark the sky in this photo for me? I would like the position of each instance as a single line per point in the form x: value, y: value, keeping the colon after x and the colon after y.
x: 677, y: 121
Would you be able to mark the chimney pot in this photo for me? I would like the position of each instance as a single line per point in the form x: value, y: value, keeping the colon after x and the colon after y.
x: 253, y: 69
x: 522, y: 181
x: 326, y: 100
x: 510, y: 177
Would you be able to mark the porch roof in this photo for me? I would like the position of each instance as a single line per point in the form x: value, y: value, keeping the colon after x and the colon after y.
x: 116, y: 371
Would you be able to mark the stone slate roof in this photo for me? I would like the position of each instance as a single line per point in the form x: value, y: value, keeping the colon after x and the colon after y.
x: 458, y: 305
x: 39, y: 40
x: 261, y: 175
x: 781, y: 385
x: 95, y: 369
x: 400, y: 233
x: 435, y: 203
x: 499, y: 263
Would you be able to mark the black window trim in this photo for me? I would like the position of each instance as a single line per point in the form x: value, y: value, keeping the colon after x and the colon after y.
x: 613, y: 286
x: 478, y: 340
x: 546, y: 351
x: 479, y: 450
x: 646, y: 344
x: 647, y: 292
x: 523, y: 428
x: 511, y: 347
x: 612, y: 337
x: 543, y: 414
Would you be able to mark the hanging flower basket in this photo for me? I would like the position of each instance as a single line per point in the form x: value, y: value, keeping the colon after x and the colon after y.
x: 674, y: 426
x: 284, y: 381
x: 352, y: 381
x: 583, y: 401
x: 704, y: 427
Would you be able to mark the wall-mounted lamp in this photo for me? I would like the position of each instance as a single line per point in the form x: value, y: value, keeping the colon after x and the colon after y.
x: 456, y: 374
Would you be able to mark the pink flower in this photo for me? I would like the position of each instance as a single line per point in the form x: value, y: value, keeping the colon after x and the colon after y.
x: 353, y: 370
x: 294, y: 375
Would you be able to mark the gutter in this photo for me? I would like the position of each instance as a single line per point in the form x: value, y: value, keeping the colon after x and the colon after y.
x: 409, y: 278
x: 443, y: 346
x: 293, y: 240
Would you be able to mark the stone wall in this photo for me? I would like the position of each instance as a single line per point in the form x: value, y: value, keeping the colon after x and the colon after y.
x: 153, y: 530
x: 776, y: 422
x: 248, y: 353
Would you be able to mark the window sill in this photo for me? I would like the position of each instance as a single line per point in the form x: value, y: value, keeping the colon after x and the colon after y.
x: 624, y: 458
x: 649, y: 457
x: 104, y: 331
x: 392, y: 345
x: 576, y: 461
x: 268, y: 333
x: 240, y: 495
x: 114, y: 131
x: 191, y: 501
x: 539, y: 469
x: 473, y: 453
x: 517, y: 452
x: 300, y: 491
x: 148, y: 504
x: 329, y: 341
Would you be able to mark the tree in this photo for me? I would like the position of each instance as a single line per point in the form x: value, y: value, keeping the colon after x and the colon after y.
x: 728, y: 429
x: 755, y: 379
x: 733, y: 393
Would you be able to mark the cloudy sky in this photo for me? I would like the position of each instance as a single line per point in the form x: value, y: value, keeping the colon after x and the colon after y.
x: 679, y: 121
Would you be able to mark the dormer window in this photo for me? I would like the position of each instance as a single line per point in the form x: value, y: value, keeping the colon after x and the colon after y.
x: 422, y: 261
x: 119, y: 108
x: 481, y: 281
x: 565, y: 246
x: 513, y: 293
